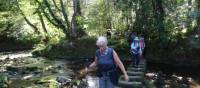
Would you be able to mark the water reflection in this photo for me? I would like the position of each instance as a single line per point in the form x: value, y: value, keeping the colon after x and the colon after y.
x: 92, y: 82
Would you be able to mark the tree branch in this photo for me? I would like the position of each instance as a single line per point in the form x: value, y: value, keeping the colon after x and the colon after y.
x: 65, y: 14
x: 58, y: 21
x: 26, y: 19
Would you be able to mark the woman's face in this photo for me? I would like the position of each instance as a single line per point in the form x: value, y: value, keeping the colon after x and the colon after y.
x: 102, y: 47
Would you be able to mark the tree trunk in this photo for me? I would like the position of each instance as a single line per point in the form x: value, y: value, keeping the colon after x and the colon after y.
x: 46, y: 38
x: 198, y: 17
x: 141, y: 16
x: 42, y: 22
x: 159, y: 19
x: 189, y: 20
x: 74, y: 23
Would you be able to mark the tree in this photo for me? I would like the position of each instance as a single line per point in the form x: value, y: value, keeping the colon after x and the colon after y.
x: 26, y: 19
x: 75, y: 27
x: 198, y: 17
x: 159, y: 19
x: 51, y: 12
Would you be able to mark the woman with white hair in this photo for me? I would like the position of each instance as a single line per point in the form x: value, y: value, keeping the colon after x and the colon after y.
x: 107, y: 60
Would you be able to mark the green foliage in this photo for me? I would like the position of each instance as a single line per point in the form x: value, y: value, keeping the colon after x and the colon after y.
x: 53, y: 85
x: 121, y: 46
x: 22, y: 32
x: 6, y: 5
x: 83, y: 47
x: 3, y: 81
x: 82, y: 21
x: 100, y: 17
x: 8, y: 14
x: 161, y: 35
x: 149, y: 84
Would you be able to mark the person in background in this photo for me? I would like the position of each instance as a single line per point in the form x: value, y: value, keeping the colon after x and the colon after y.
x: 108, y: 33
x: 117, y: 35
x: 135, y: 51
x: 142, y: 46
x: 107, y: 61
x: 126, y: 34
x: 131, y: 37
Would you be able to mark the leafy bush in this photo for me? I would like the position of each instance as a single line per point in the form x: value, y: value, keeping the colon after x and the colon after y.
x: 3, y: 81
x: 121, y: 46
x: 83, y: 47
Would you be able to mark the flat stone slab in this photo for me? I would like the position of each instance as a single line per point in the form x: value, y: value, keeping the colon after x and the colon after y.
x: 125, y: 84
x: 136, y: 76
x: 136, y: 69
x: 133, y: 78
x: 133, y: 73
x: 140, y: 65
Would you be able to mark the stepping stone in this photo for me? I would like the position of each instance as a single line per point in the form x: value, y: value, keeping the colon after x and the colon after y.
x: 133, y: 78
x: 140, y: 66
x: 136, y: 69
x: 136, y: 76
x: 129, y: 84
x: 132, y: 73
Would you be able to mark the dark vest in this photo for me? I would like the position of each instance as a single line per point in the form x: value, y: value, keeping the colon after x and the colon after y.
x: 106, y: 65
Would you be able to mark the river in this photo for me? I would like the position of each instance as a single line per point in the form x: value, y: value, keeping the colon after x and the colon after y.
x: 27, y: 71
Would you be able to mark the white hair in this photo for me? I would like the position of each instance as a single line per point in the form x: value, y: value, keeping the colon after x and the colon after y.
x: 102, y: 41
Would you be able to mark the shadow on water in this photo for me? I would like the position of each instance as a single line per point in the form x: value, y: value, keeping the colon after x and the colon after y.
x: 169, y: 76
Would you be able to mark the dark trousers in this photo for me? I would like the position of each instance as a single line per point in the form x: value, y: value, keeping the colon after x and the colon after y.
x: 136, y: 59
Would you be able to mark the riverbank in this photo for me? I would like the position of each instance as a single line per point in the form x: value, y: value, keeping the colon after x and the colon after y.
x: 10, y: 44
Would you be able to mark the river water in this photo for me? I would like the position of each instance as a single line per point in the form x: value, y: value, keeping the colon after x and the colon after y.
x: 27, y: 71
x: 168, y: 76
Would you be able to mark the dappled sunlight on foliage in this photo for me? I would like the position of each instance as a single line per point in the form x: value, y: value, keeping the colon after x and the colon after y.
x: 68, y: 29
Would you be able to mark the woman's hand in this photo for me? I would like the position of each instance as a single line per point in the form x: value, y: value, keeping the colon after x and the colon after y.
x: 126, y: 77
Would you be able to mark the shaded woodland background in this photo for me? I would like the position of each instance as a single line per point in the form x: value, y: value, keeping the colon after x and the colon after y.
x: 69, y: 28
